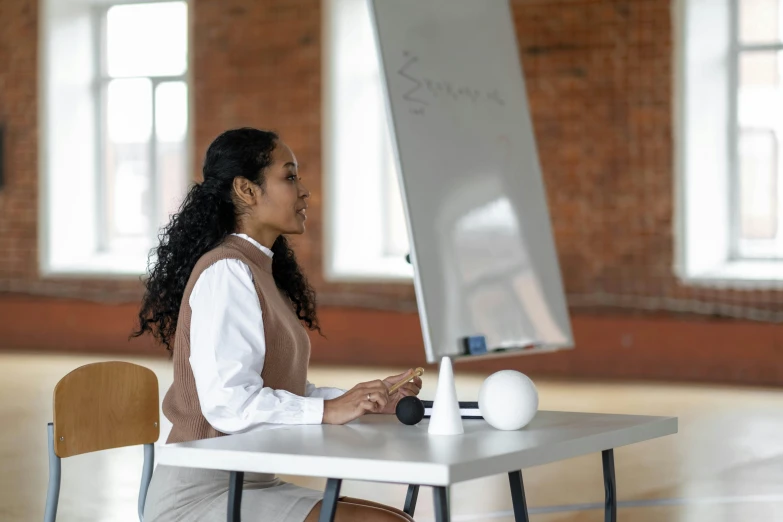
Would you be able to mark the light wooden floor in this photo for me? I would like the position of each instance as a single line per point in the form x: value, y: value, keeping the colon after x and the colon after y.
x: 725, y: 465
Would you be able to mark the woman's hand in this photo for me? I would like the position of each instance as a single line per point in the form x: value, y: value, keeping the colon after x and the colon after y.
x: 366, y: 397
x: 407, y: 389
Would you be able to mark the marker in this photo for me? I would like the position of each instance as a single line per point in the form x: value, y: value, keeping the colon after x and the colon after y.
x: 418, y: 372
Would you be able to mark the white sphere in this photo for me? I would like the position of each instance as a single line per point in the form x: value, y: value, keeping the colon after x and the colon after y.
x: 508, y: 400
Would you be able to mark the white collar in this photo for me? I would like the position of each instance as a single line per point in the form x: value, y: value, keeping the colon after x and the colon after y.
x: 258, y: 245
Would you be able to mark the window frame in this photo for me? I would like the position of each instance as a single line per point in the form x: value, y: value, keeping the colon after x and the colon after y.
x: 705, y: 133
x: 90, y: 259
x: 738, y: 49
x: 382, y: 266
x: 102, y: 81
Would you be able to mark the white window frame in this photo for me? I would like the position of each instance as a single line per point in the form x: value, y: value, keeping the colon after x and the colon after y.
x: 80, y: 21
x: 102, y: 85
x: 705, y: 137
x: 357, y: 210
x: 738, y: 250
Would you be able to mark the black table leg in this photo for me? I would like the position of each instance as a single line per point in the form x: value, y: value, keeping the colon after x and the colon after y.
x: 410, y: 499
x: 329, y: 503
x: 235, y: 481
x: 518, y: 496
x: 610, y: 486
x: 440, y: 496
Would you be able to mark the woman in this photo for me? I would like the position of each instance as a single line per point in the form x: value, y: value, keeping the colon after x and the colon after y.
x: 227, y: 297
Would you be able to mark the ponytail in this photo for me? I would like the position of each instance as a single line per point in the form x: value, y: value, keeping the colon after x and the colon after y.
x: 207, y: 215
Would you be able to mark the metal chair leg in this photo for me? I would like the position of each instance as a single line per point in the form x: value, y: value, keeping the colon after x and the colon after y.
x: 329, y: 503
x: 146, y: 477
x: 410, y: 499
x: 53, y: 491
x: 610, y: 486
x: 236, y: 482
x: 518, y: 496
x: 440, y: 495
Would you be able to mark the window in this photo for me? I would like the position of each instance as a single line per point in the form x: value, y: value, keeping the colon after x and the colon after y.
x: 758, y: 225
x: 115, y: 119
x: 366, y: 235
x: 729, y: 123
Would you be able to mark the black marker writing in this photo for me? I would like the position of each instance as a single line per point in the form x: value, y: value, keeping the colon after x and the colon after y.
x: 417, y: 83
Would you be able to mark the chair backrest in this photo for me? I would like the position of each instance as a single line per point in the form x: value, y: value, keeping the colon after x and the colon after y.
x: 105, y: 405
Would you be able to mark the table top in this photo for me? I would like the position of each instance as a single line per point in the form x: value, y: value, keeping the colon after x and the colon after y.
x: 380, y: 448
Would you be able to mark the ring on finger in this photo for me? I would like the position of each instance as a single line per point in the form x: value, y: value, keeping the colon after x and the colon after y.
x: 368, y: 397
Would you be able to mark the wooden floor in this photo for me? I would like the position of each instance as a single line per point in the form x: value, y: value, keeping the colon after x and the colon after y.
x: 726, y: 464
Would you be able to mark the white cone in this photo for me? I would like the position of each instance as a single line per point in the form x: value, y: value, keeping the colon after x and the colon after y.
x: 446, y: 419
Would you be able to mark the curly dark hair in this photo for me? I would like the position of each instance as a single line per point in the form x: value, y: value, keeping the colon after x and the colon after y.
x: 207, y: 215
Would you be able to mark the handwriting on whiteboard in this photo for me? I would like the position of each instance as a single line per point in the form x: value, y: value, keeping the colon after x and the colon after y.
x: 423, y: 89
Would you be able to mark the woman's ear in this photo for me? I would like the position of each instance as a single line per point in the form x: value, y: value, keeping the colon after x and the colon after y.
x: 244, y: 190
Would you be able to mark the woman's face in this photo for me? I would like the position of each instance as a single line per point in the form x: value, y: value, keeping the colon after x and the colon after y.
x: 281, y: 207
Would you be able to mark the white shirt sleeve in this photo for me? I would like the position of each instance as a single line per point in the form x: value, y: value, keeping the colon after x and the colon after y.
x: 227, y: 350
x: 325, y: 393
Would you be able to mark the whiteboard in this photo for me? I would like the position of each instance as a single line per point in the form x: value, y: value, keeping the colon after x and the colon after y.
x: 481, y: 240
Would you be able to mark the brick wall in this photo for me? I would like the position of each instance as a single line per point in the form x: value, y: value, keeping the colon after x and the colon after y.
x: 599, y: 75
x: 18, y: 115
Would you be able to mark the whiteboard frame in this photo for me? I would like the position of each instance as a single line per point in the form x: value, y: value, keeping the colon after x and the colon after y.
x: 431, y: 356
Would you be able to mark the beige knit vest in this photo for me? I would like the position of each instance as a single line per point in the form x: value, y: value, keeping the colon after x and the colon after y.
x: 287, y: 344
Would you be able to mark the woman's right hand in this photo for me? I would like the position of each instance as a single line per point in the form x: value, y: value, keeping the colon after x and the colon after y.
x: 366, y: 397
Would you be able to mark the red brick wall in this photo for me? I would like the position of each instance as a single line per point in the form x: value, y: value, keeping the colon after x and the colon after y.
x: 19, y: 65
x: 18, y: 116
x: 599, y: 76
x: 600, y: 80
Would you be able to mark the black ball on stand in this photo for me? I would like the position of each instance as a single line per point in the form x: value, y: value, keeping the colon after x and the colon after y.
x: 410, y: 410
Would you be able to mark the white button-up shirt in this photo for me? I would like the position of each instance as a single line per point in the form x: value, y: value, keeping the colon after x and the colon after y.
x: 227, y: 350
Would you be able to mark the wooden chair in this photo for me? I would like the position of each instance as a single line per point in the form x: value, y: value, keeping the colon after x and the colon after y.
x: 102, y: 406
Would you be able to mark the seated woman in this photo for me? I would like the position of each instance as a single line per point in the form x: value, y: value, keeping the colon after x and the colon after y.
x: 227, y: 297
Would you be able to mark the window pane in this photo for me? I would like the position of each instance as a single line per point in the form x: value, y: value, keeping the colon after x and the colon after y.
x: 171, y: 111
x: 760, y: 98
x: 129, y: 110
x: 128, y: 174
x: 758, y: 170
x: 171, y: 122
x: 147, y: 39
x: 760, y: 120
x: 759, y: 21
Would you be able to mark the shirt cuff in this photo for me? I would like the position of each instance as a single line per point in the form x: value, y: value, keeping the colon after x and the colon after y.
x: 313, y: 411
x: 333, y: 393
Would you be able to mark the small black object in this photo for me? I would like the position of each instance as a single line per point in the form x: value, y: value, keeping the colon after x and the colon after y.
x: 410, y: 410
x: 467, y: 410
x: 474, y: 345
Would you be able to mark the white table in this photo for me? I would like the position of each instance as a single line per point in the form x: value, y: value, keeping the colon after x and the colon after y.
x: 381, y: 449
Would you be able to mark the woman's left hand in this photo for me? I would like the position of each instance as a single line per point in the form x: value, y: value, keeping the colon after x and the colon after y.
x: 407, y: 389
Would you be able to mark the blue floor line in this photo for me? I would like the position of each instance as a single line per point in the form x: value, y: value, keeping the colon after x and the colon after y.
x: 625, y: 504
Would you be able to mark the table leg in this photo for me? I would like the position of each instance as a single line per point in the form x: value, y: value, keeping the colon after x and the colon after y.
x: 235, y: 482
x: 518, y: 496
x: 440, y: 496
x: 329, y: 503
x: 610, y: 486
x: 410, y: 499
